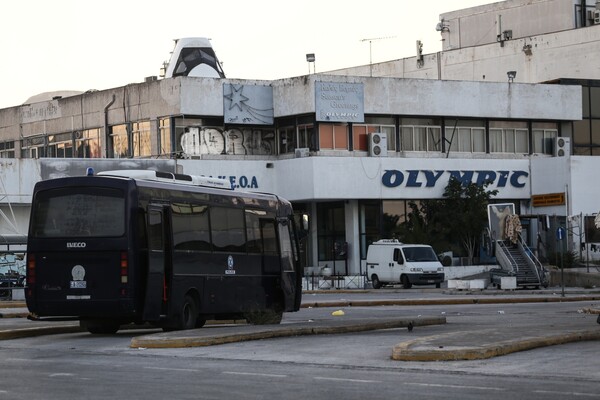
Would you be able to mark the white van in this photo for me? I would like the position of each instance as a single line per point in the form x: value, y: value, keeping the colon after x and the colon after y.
x: 391, y: 261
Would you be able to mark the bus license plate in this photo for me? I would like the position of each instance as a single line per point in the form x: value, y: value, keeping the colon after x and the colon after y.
x: 78, y: 284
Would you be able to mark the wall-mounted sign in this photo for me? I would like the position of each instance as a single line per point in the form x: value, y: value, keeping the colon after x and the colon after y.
x: 550, y: 199
x: 40, y: 111
x: 429, y: 178
x: 248, y: 104
x: 339, y: 102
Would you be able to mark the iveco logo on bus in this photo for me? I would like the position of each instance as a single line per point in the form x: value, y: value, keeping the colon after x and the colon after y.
x: 76, y: 245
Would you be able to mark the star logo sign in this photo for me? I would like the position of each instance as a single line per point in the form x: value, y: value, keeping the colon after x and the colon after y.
x: 236, y: 97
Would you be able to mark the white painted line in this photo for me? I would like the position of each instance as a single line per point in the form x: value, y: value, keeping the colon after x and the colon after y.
x: 254, y: 374
x: 60, y: 374
x: 323, y: 378
x: 454, y: 386
x: 174, y: 369
x: 568, y: 394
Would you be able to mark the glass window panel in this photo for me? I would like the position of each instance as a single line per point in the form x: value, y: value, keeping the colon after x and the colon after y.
x: 359, y: 133
x: 434, y: 139
x: 478, y: 140
x: 407, y: 138
x: 509, y: 135
x: 326, y: 136
x: 390, y: 131
x: 341, y: 136
x: 420, y: 137
x: 581, y: 132
x: 521, y: 141
x: 595, y: 102
x: 464, y: 139
x: 496, y: 141
x: 585, y: 106
x: 227, y: 229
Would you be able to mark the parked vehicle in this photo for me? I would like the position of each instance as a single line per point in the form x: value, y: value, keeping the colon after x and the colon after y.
x: 390, y: 261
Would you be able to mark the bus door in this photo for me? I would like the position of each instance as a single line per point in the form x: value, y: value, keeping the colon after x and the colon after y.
x: 158, y: 263
x: 290, y: 278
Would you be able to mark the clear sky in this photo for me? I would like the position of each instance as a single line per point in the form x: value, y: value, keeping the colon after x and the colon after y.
x: 81, y: 45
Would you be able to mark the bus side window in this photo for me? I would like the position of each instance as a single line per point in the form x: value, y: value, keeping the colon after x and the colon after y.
x: 155, y: 230
x: 398, y: 256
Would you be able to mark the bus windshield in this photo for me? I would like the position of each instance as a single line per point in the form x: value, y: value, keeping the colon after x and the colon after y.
x: 79, y: 212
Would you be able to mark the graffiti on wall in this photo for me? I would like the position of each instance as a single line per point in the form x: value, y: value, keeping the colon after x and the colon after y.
x: 197, y: 141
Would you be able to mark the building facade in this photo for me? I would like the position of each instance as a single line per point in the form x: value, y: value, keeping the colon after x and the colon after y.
x: 352, y: 147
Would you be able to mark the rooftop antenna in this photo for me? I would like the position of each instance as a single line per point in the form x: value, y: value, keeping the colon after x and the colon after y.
x: 371, y: 40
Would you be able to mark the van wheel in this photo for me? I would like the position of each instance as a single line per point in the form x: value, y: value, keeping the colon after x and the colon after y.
x: 376, y: 282
x: 405, y: 282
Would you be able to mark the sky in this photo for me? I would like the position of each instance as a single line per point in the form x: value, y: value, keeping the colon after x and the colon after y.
x: 81, y: 45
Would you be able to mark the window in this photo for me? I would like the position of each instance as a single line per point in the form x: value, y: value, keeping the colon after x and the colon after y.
x: 141, y: 139
x: 227, y: 229
x: 369, y: 224
x: 509, y: 137
x: 333, y: 136
x: 60, y: 146
x: 360, y: 132
x: 190, y: 227
x: 287, y: 139
x: 306, y: 132
x: 164, y: 137
x: 119, y: 141
x: 87, y: 143
x: 544, y: 135
x: 82, y: 213
x: 420, y: 134
x: 466, y: 136
x: 7, y: 149
x: 33, y: 147
x: 331, y: 228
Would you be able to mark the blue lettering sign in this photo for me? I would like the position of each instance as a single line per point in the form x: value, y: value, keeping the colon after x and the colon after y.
x: 393, y: 178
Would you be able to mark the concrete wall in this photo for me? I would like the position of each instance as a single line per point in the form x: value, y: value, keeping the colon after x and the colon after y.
x: 574, y: 279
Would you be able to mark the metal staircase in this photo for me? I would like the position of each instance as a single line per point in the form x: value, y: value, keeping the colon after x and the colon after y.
x: 516, y: 259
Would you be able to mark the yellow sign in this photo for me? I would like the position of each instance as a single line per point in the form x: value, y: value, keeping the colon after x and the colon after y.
x: 550, y: 199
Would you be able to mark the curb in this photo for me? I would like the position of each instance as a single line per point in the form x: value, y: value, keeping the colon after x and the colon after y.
x: 428, y: 302
x: 161, y: 341
x: 410, y: 351
x: 20, y: 333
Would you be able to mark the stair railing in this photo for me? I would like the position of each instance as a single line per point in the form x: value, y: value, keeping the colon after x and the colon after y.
x: 533, y: 262
x: 504, y: 257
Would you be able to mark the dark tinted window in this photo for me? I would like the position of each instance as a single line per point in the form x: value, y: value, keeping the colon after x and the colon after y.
x: 79, y: 212
x: 190, y: 227
x: 227, y: 228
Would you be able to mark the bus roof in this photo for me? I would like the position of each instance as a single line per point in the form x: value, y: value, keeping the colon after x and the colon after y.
x: 170, y: 177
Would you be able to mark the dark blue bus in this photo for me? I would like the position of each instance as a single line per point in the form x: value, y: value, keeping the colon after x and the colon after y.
x: 149, y: 247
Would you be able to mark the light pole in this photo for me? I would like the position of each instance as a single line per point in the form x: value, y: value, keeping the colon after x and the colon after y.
x: 310, y: 58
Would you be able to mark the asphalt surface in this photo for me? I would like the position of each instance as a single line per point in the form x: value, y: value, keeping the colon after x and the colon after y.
x: 473, y: 344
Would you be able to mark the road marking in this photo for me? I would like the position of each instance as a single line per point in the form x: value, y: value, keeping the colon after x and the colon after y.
x: 566, y: 394
x: 324, y: 378
x: 454, y: 386
x: 60, y: 374
x: 174, y: 369
x: 254, y: 374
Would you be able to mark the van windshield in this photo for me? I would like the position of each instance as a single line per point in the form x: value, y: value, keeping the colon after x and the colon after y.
x: 419, y: 254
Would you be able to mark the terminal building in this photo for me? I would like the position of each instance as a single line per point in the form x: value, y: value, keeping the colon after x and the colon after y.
x: 352, y: 147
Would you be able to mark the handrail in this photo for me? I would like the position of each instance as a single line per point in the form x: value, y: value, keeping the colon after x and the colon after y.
x: 502, y: 254
x: 532, y: 260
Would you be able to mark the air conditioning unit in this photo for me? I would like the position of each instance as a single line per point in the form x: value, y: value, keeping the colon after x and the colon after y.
x: 562, y: 147
x: 596, y: 16
x: 302, y: 152
x: 378, y: 144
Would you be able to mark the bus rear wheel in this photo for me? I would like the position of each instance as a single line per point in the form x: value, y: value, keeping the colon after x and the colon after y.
x: 99, y: 327
x: 187, y: 318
